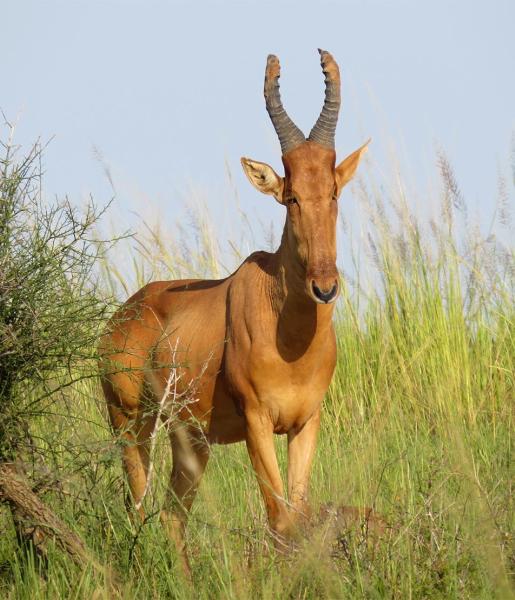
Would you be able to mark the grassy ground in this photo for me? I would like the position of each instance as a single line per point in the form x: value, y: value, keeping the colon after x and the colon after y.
x: 417, y: 424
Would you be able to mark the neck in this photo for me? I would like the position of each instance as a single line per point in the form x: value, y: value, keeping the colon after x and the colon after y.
x: 299, y: 317
x: 290, y: 276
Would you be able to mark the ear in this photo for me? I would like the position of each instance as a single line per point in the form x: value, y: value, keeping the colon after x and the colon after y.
x: 346, y: 169
x: 263, y: 178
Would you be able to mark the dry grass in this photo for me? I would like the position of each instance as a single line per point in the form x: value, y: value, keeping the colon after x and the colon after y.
x: 417, y: 424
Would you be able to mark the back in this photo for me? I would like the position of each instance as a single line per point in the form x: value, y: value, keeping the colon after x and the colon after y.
x: 165, y: 324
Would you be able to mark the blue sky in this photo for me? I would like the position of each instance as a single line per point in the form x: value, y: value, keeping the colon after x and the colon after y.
x: 169, y: 94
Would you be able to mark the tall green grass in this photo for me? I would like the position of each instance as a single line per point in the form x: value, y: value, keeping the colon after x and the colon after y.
x: 417, y: 424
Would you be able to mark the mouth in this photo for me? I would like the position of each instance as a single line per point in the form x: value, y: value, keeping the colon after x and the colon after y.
x: 323, y: 296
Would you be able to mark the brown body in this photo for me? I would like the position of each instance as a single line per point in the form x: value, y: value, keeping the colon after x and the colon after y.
x: 247, y: 356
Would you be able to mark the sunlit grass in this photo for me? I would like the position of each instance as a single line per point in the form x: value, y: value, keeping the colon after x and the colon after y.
x: 417, y: 424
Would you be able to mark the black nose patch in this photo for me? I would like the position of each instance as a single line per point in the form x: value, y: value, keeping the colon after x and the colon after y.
x: 325, y: 296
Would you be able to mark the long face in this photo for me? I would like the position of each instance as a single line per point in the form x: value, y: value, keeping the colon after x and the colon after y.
x: 311, y: 197
x: 311, y: 184
x: 309, y: 190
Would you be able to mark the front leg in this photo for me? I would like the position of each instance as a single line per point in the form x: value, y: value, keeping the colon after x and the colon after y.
x: 301, y: 450
x: 260, y: 444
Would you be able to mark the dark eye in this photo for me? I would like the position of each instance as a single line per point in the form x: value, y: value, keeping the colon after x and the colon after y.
x: 292, y: 200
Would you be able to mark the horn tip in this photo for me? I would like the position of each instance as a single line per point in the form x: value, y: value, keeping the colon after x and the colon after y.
x: 272, y: 71
x: 325, y: 56
x: 329, y: 65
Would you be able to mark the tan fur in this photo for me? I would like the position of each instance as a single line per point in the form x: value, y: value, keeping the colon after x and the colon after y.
x: 255, y: 350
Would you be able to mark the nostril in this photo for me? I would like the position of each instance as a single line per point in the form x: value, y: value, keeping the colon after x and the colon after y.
x: 324, y: 296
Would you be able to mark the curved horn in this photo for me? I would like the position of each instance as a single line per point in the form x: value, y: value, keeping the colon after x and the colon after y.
x: 323, y: 130
x: 290, y: 136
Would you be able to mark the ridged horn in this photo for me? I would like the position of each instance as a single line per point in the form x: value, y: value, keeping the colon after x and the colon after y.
x: 323, y: 130
x: 290, y: 136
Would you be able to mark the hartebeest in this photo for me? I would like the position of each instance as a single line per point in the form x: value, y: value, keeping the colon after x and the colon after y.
x: 259, y: 345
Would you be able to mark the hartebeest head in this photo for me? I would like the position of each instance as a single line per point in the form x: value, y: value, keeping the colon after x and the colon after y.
x: 312, y: 182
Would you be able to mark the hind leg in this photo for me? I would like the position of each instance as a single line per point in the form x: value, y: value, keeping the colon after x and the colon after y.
x: 135, y: 431
x: 190, y: 456
x: 136, y: 460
